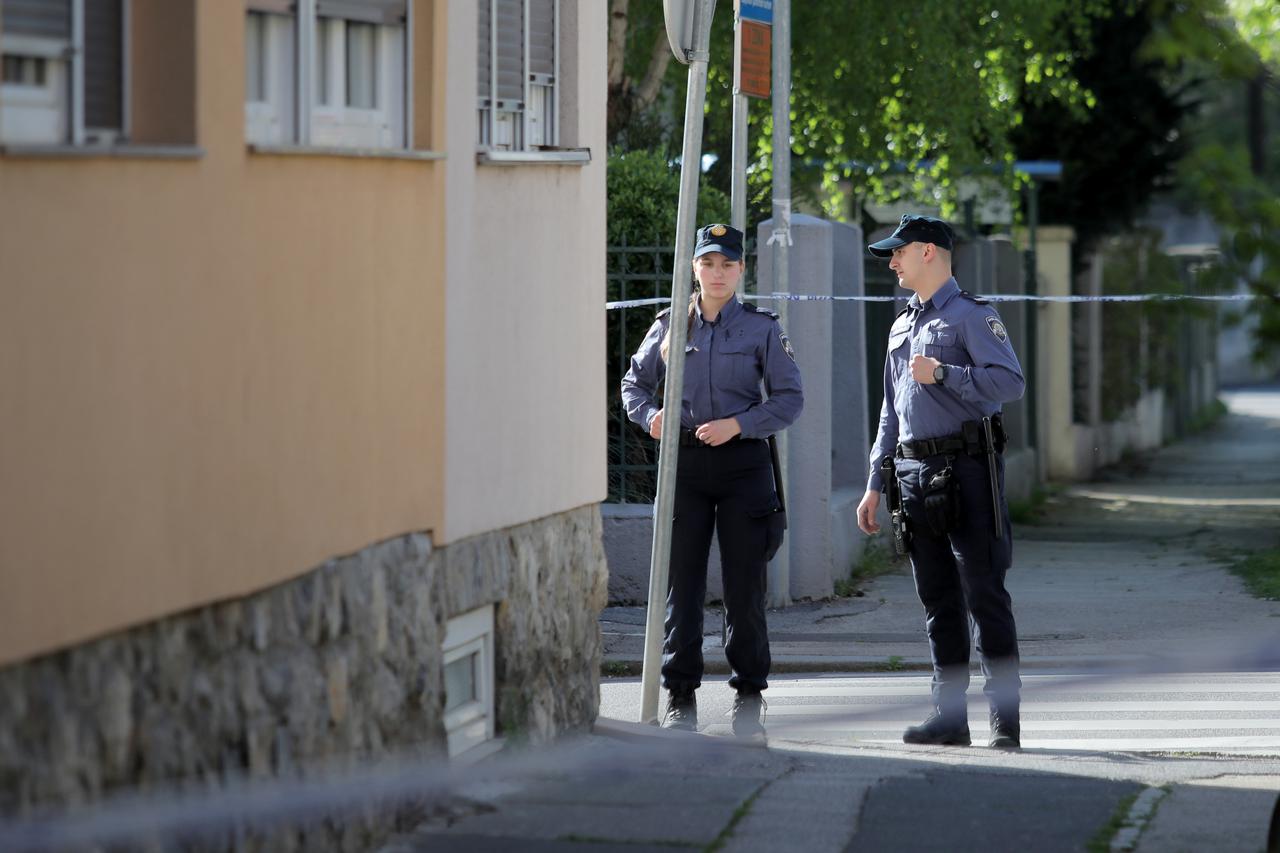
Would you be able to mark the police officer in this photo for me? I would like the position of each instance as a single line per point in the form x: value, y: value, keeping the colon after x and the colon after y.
x: 724, y: 478
x: 950, y: 364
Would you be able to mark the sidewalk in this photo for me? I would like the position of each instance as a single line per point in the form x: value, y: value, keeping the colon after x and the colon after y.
x: 1122, y: 571
x: 1126, y: 569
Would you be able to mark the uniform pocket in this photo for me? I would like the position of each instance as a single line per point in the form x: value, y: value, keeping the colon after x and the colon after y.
x: 740, y: 362
x: 774, y: 519
x: 938, y: 344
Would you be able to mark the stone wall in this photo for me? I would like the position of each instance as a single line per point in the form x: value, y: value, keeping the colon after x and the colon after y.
x: 341, y: 665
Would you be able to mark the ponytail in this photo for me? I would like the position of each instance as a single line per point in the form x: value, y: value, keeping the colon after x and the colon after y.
x: 693, y: 309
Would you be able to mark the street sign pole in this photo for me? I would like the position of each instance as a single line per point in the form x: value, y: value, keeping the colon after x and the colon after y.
x: 695, y: 53
x: 738, y: 157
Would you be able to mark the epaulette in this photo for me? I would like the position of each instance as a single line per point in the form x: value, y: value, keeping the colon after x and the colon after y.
x: 756, y: 309
x: 978, y: 299
x: 664, y: 312
x: 900, y: 313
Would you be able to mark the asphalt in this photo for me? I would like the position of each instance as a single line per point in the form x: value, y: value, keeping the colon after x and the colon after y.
x: 1127, y: 571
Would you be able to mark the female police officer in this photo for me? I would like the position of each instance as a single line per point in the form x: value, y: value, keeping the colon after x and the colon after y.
x: 949, y: 368
x: 724, y: 478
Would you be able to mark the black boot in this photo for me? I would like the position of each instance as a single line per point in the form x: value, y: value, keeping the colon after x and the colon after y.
x: 682, y: 711
x: 939, y: 730
x: 1006, y: 729
x: 746, y: 714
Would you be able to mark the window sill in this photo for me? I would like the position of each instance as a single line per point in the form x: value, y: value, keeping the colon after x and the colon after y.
x: 85, y: 152
x: 339, y: 151
x: 565, y: 157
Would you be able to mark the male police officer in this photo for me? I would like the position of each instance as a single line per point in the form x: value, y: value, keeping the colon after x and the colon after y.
x: 950, y: 366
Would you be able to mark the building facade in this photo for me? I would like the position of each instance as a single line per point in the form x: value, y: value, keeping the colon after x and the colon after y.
x: 302, y: 365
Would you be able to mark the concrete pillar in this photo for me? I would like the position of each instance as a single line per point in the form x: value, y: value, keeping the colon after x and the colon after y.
x: 830, y: 435
x: 1053, y: 266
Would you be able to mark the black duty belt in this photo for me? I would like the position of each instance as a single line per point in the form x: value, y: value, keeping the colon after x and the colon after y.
x: 688, y: 438
x: 925, y: 447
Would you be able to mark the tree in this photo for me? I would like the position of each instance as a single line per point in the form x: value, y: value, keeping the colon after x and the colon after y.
x: 1125, y: 148
x: 1232, y: 172
x: 879, y: 89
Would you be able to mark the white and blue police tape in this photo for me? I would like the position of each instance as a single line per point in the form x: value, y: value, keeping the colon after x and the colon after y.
x: 991, y: 297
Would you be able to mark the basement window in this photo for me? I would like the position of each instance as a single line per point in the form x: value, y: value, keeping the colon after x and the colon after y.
x: 468, y: 680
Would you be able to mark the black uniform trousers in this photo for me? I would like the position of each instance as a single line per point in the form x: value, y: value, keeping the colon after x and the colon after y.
x: 728, y: 489
x: 960, y: 581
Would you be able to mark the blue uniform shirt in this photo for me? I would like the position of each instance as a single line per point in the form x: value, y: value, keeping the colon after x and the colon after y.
x: 724, y: 364
x: 982, y: 371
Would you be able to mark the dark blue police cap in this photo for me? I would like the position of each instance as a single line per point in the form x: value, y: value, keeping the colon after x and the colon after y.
x: 724, y: 239
x: 914, y: 229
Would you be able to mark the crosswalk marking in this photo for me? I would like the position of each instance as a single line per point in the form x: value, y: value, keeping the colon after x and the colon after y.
x: 1217, y: 712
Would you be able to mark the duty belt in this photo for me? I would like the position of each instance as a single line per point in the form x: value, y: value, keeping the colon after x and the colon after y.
x: 926, y: 447
x: 689, y: 438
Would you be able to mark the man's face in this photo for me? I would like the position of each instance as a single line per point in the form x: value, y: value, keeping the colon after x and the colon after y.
x: 908, y: 262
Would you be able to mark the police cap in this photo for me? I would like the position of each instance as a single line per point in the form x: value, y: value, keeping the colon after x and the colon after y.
x: 724, y: 239
x: 914, y: 229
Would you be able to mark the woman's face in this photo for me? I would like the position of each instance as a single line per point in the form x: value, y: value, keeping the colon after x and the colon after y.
x: 717, y: 275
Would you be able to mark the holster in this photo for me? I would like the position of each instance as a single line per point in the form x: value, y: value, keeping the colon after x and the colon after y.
x: 898, y: 523
x: 942, y: 501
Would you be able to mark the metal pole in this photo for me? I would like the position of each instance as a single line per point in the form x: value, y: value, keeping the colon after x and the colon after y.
x: 738, y: 158
x: 780, y: 567
x: 673, y: 390
x: 1033, y: 317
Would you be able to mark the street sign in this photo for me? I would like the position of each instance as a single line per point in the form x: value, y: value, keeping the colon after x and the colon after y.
x: 679, y: 20
x: 760, y: 11
x: 755, y: 69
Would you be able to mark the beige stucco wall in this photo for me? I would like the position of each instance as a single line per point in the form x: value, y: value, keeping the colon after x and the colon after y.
x: 217, y: 373
x: 525, y: 375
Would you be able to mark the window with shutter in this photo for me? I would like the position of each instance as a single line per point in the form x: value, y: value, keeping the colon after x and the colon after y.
x: 351, y: 57
x: 270, y: 57
x: 516, y: 73
x: 71, y: 83
x: 103, y: 68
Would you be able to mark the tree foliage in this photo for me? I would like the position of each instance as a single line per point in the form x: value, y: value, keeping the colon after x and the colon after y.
x: 881, y: 89
x: 1232, y: 177
x: 1123, y: 150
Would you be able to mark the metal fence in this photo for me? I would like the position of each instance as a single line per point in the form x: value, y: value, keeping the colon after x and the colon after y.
x: 637, y: 272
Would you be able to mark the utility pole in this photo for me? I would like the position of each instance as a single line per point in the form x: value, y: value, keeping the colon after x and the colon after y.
x: 780, y: 568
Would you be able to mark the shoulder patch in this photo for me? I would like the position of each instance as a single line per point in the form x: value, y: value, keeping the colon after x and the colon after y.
x: 756, y: 309
x: 786, y: 345
x: 978, y: 299
x: 997, y: 328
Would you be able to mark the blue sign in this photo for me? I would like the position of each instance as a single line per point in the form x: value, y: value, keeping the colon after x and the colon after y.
x: 760, y: 11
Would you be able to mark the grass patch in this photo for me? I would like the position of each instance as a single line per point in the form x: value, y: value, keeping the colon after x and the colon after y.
x: 877, y: 559
x: 617, y: 669
x: 1260, y: 572
x: 738, y: 814
x: 1031, y: 510
x: 1207, y: 417
x: 1101, y: 840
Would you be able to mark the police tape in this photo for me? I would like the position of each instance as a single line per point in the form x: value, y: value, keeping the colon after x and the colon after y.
x: 990, y: 297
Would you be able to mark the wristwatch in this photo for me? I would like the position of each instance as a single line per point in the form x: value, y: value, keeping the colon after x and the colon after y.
x: 940, y: 373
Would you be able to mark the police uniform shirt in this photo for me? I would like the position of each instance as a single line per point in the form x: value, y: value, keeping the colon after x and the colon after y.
x: 725, y: 362
x: 966, y: 335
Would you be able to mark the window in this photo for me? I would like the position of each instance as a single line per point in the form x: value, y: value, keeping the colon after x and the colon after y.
x: 63, y: 71
x: 517, y: 73
x: 351, y: 57
x: 468, y: 680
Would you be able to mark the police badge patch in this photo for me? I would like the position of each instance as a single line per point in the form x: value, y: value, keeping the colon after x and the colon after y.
x: 786, y: 345
x: 997, y: 329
